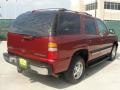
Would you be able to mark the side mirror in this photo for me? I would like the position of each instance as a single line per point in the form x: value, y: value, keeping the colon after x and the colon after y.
x: 112, y: 31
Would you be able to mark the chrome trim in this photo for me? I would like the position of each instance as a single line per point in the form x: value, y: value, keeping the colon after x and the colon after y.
x: 40, y: 70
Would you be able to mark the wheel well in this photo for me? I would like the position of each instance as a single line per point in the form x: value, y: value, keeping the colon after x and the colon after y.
x: 83, y: 53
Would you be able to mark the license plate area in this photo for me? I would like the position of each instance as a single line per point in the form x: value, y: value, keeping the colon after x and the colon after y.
x: 23, y: 63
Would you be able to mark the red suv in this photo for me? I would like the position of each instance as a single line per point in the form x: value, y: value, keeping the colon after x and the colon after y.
x: 55, y: 41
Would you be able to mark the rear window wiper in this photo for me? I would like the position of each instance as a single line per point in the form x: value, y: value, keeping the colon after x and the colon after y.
x: 29, y: 37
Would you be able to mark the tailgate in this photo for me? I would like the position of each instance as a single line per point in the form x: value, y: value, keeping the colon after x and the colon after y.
x: 26, y: 45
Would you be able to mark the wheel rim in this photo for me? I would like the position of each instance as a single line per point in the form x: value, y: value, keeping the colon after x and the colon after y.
x: 78, y: 70
x: 114, y: 52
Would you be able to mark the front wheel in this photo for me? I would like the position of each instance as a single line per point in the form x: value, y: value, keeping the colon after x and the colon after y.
x: 76, y: 70
x: 113, y: 53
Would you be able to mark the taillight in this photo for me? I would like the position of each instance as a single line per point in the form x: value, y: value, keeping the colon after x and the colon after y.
x: 52, y: 50
x: 52, y: 45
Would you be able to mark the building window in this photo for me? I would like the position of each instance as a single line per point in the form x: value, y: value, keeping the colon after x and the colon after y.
x: 118, y: 6
x: 105, y: 5
x: 91, y: 6
x: 112, y: 5
x: 108, y: 5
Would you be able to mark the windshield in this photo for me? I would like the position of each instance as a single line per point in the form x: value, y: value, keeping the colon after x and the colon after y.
x: 34, y: 23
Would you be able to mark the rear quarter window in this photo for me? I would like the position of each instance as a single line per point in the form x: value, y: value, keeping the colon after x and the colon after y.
x: 69, y: 23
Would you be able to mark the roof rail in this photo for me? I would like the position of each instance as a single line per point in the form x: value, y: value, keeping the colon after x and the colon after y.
x: 53, y: 9
x: 84, y: 13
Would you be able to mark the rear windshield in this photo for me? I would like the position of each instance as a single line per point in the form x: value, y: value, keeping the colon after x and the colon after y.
x: 34, y: 23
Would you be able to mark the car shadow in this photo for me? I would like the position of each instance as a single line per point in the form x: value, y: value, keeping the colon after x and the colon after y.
x: 47, y: 80
x: 59, y: 83
x: 92, y: 70
x: 118, y: 56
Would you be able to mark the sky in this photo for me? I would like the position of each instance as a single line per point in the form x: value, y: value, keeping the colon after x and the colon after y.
x: 11, y: 9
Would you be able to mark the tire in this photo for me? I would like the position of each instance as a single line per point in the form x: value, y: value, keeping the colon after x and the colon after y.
x: 113, y: 53
x: 75, y: 71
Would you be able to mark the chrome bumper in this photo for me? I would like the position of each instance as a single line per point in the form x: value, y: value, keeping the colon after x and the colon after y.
x: 41, y: 68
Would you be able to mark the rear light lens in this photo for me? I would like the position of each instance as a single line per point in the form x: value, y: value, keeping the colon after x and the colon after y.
x: 52, y: 50
x: 52, y: 45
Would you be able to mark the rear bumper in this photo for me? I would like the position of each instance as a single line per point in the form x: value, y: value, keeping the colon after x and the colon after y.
x: 39, y: 67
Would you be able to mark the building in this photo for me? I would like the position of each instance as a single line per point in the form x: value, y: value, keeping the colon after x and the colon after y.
x: 78, y: 5
x: 103, y: 9
x: 107, y: 10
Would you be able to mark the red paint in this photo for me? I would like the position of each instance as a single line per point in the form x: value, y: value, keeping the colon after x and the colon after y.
x: 67, y: 45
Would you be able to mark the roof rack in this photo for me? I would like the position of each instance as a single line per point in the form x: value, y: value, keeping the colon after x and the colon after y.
x: 84, y: 13
x: 63, y: 9
x: 53, y: 9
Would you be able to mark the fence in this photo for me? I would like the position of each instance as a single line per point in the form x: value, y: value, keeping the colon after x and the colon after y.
x: 114, y: 25
x: 4, y: 27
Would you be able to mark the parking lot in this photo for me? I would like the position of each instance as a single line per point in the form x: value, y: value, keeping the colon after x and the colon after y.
x: 104, y: 76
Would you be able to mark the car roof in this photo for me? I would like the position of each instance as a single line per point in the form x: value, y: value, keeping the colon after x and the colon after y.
x: 63, y: 9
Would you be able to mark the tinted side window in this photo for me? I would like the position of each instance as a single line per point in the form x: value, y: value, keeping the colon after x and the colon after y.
x: 101, y: 26
x: 69, y: 23
x: 90, y: 26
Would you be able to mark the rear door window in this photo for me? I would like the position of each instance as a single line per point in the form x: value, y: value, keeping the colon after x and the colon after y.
x: 69, y: 23
x: 90, y: 26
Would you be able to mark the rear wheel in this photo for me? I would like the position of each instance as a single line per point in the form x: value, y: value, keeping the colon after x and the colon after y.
x: 76, y: 70
x: 113, y: 53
